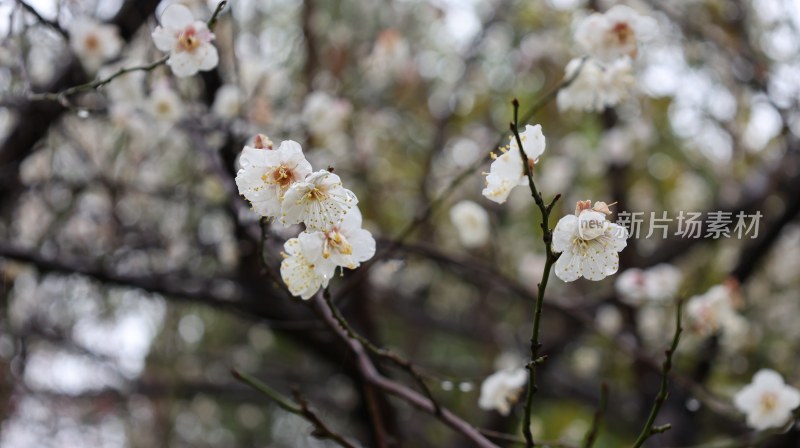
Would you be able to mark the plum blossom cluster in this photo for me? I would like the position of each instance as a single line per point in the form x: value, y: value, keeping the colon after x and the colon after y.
x: 603, y: 76
x: 767, y: 401
x: 280, y: 184
x: 188, y: 41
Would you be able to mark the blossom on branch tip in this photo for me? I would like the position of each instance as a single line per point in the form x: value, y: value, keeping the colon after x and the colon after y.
x: 507, y: 170
x: 501, y: 389
x: 187, y: 40
x: 589, y: 244
x: 299, y: 273
x: 266, y: 175
x: 319, y: 201
x: 767, y: 401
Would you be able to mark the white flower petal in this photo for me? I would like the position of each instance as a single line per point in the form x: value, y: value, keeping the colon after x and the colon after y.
x: 176, y: 17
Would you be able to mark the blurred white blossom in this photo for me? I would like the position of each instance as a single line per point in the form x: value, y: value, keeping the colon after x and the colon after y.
x: 657, y: 284
x: 501, y: 389
x: 596, y: 86
x: 767, y: 401
x: 93, y: 43
x: 471, y: 222
x: 614, y: 34
x: 165, y: 106
x: 188, y: 41
x: 227, y: 102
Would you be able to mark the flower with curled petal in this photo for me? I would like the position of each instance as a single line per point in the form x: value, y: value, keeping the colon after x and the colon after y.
x: 345, y: 244
x: 589, y: 244
x: 187, y: 40
x: 507, y: 170
x: 267, y: 174
x: 767, y: 401
x: 319, y: 201
x: 301, y: 275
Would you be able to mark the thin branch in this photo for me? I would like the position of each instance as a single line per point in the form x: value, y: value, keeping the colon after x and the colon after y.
x: 551, y: 257
x: 591, y: 436
x: 383, y: 353
x: 648, y: 429
x: 54, y: 25
x: 302, y: 409
x: 371, y: 375
x: 516, y: 440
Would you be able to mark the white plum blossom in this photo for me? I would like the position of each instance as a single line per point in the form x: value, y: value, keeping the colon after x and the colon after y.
x: 767, y: 401
x: 345, y: 244
x: 657, y: 284
x: 507, y: 171
x: 471, y: 222
x: 227, y: 102
x: 267, y: 174
x: 501, y: 389
x: 589, y: 244
x: 596, y: 86
x: 319, y: 201
x: 93, y: 42
x: 614, y: 34
x: 187, y: 40
x: 299, y: 274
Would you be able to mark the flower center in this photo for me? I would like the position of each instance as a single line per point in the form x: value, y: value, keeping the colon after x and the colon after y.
x: 163, y: 108
x: 769, y: 401
x: 91, y: 42
x: 188, y: 40
x: 282, y: 176
x: 317, y: 194
x: 623, y: 32
x: 337, y: 242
